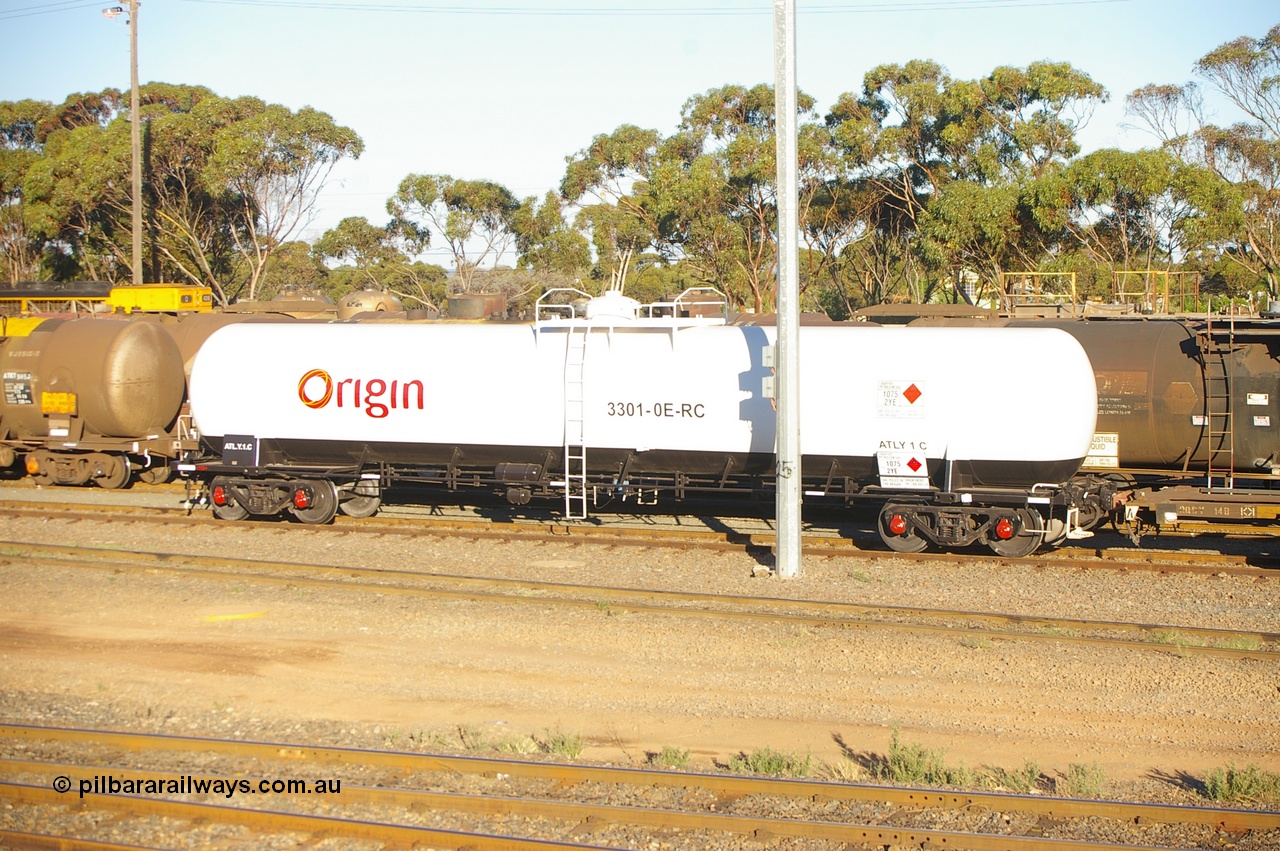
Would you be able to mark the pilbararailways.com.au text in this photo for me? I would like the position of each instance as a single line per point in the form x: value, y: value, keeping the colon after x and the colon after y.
x: 108, y: 784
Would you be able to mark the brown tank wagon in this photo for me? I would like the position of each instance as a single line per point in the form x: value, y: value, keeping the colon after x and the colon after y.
x: 91, y: 400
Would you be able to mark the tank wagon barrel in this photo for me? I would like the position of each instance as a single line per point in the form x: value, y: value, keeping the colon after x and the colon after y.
x: 620, y: 407
x: 90, y: 399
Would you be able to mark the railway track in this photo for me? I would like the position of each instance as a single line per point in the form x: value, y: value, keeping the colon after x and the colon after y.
x: 650, y: 534
x: 451, y: 801
x: 959, y: 625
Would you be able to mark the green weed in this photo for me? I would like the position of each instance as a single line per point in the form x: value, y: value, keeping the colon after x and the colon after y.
x: 1022, y: 780
x: 843, y: 771
x: 472, y: 737
x: 559, y: 743
x: 522, y: 745
x: 1247, y: 784
x: 1082, y: 781
x: 669, y: 757
x: 916, y: 764
x: 1243, y: 642
x: 770, y: 762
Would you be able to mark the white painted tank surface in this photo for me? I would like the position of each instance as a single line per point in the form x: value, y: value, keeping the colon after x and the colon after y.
x: 900, y: 407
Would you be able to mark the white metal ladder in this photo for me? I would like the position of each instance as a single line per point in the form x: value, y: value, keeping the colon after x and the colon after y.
x: 575, y: 448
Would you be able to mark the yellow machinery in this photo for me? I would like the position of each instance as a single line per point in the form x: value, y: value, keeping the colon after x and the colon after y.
x: 22, y: 309
x: 161, y: 298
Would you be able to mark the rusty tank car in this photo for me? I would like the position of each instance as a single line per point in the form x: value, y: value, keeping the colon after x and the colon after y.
x: 90, y: 400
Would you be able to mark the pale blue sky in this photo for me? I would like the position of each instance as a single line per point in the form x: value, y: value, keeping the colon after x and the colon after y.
x: 507, y: 89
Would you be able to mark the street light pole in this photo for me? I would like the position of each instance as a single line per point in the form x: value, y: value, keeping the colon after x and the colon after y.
x: 135, y: 138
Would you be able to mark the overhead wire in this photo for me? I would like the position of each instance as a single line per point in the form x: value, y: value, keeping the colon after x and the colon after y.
x: 657, y: 11
x: 752, y: 9
x: 48, y: 8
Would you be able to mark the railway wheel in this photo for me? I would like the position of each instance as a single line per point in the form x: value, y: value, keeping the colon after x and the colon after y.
x: 897, y: 532
x: 1056, y: 530
x: 156, y: 474
x: 230, y: 511
x: 1017, y: 538
x: 39, y: 466
x: 315, y: 501
x: 224, y: 505
x: 110, y: 471
x: 360, y: 506
x: 1091, y: 515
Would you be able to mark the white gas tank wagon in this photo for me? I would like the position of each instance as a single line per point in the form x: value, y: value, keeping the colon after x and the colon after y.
x: 962, y: 434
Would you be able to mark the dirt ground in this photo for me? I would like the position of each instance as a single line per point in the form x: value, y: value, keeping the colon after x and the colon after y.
x: 262, y: 661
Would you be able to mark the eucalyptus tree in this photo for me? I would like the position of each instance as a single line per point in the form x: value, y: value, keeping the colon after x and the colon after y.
x: 294, y: 266
x: 1020, y: 123
x: 1128, y: 210
x: 1173, y: 114
x: 357, y: 243
x: 227, y: 183
x: 608, y: 182
x: 913, y: 133
x: 272, y: 162
x: 21, y: 144
x: 1239, y: 218
x: 716, y: 187
x: 985, y: 229
x: 193, y: 224
x: 1247, y: 71
x: 39, y: 238
x: 546, y: 242
x: 77, y: 198
x: 703, y: 198
x: 383, y: 257
x: 474, y: 217
x: 1247, y: 155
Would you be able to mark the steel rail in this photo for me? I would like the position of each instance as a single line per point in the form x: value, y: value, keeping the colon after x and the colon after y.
x: 48, y: 842
x: 594, y: 592
x: 594, y: 815
x: 590, y: 596
x: 276, y: 821
x: 734, y: 541
x: 668, y: 601
x: 1229, y: 819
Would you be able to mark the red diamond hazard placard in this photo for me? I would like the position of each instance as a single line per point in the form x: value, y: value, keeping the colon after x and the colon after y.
x: 902, y: 399
x: 902, y: 470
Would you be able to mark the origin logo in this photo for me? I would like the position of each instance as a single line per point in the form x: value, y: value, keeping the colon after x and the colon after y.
x: 317, y: 389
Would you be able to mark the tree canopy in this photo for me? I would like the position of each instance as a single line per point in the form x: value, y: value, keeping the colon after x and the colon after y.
x: 909, y: 182
x: 226, y: 183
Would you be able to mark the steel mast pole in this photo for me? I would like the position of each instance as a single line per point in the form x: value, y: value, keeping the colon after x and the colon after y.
x: 135, y: 131
x: 788, y: 494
